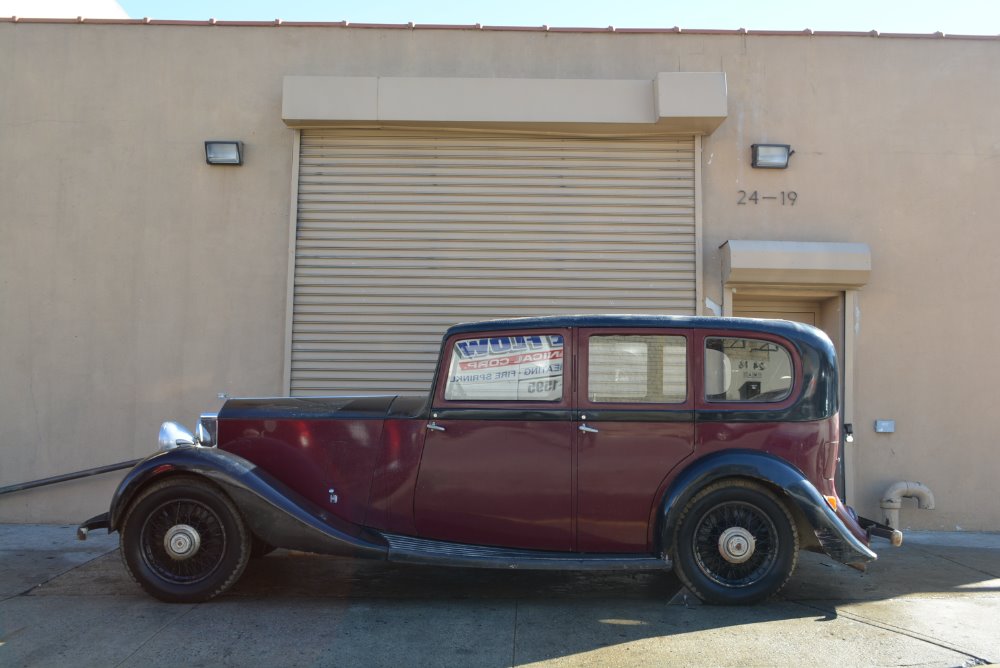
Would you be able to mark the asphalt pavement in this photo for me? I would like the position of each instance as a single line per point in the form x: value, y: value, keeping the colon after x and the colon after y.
x: 933, y: 602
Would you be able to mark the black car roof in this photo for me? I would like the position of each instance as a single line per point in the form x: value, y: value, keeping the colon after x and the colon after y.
x: 780, y: 327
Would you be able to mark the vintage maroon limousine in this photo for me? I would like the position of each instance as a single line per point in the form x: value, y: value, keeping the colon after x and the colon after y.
x: 708, y: 445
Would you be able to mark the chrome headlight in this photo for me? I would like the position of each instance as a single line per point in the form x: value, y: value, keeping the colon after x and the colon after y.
x: 174, y: 435
x: 207, y: 431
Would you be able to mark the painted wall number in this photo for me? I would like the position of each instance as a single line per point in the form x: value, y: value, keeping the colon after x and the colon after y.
x: 786, y: 197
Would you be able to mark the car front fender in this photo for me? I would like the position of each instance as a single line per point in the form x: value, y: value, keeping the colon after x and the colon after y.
x: 273, y: 511
x: 831, y: 530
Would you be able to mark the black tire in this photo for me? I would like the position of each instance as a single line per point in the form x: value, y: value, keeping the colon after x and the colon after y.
x: 211, y: 544
x: 735, y: 543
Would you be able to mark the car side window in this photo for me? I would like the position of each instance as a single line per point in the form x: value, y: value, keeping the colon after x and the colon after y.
x: 525, y: 367
x: 631, y: 368
x: 742, y: 369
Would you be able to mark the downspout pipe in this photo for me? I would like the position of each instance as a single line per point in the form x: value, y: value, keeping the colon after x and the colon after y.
x: 892, y: 499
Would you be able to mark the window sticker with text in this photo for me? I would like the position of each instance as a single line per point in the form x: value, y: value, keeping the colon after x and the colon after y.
x: 738, y: 369
x: 507, y: 368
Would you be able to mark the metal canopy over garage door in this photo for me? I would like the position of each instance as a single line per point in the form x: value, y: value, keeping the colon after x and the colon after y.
x: 403, y: 233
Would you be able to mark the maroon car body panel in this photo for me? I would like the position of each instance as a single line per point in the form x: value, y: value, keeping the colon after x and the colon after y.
x: 395, y: 479
x: 313, y: 457
x: 497, y: 482
x: 620, y: 472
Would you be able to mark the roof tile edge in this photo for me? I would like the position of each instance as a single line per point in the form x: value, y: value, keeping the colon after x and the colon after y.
x: 479, y: 27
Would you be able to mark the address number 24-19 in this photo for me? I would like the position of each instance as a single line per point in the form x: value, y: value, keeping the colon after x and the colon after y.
x: 786, y: 197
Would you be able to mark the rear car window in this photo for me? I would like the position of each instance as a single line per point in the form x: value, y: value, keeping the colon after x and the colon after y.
x: 506, y: 368
x: 743, y: 369
x: 637, y: 369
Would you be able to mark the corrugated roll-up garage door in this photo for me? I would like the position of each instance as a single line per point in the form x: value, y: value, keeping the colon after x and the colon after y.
x: 403, y: 233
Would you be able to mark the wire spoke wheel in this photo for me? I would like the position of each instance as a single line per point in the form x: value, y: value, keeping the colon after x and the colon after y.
x: 183, y: 540
x: 735, y: 543
x: 722, y: 565
x: 198, y: 545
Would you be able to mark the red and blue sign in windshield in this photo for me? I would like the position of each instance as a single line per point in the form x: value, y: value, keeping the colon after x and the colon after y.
x: 507, y: 368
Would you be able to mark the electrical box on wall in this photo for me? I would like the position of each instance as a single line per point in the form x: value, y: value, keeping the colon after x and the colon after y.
x: 885, y: 426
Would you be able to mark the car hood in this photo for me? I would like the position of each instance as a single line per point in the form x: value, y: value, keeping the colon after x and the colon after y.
x: 308, y: 408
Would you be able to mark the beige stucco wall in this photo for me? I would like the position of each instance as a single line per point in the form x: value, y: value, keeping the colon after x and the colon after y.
x: 897, y: 147
x: 137, y: 282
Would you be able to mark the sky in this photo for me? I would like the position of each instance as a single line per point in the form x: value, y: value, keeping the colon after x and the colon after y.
x: 973, y: 17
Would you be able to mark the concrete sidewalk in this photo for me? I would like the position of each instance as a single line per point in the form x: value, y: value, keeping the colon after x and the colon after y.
x: 933, y: 602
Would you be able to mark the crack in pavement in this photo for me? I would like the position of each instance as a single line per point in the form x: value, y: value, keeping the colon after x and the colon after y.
x: 976, y: 660
x: 58, y: 575
x: 157, y: 632
x: 954, y: 561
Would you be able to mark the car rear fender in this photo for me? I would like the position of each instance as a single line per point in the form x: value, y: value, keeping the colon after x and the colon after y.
x: 832, y: 532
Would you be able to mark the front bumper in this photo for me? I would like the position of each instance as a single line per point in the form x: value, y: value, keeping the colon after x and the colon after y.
x: 101, y: 521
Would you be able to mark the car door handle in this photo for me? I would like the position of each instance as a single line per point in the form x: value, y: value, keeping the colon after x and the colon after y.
x: 434, y: 426
x: 587, y: 430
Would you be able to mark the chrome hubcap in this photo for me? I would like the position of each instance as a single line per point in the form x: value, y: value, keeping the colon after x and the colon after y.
x: 182, y: 542
x: 736, y: 545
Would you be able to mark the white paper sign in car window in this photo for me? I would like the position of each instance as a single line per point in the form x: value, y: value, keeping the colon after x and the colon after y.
x: 507, y: 368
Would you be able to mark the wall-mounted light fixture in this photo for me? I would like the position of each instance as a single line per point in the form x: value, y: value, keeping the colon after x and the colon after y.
x: 770, y: 156
x: 224, y: 152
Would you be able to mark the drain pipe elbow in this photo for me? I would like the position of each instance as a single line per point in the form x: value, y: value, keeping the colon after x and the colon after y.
x: 892, y: 499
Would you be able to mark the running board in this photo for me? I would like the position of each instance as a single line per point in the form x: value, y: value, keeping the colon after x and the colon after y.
x: 406, y: 549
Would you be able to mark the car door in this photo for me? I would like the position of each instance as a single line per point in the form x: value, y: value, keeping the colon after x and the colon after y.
x: 635, y: 424
x: 496, y: 467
